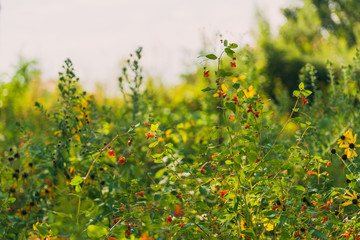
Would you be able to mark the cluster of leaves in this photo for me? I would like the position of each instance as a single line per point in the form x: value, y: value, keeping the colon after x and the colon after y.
x: 225, y: 164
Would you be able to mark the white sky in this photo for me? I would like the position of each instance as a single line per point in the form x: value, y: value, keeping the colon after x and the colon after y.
x: 97, y: 35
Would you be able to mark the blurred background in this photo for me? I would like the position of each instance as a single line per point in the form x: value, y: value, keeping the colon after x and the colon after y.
x: 98, y: 35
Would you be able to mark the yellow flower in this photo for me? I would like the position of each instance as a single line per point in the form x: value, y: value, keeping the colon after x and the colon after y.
x: 235, y: 79
x: 250, y: 92
x: 344, y: 139
x: 22, y: 213
x: 349, y: 145
x: 354, y: 199
x: 31, y: 206
x: 222, y: 91
x: 269, y: 226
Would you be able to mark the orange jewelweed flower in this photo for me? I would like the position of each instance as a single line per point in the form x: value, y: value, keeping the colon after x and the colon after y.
x: 178, y: 211
x: 169, y: 219
x: 328, y: 164
x: 235, y: 99
x: 111, y: 153
x: 147, y: 124
x: 144, y: 236
x: 247, y: 126
x: 312, y: 173
x: 206, y: 73
x: 203, y: 170
x: 304, y: 101
x: 222, y: 193
x: 232, y: 118
x: 121, y: 160
x: 149, y: 135
x: 140, y: 194
x: 232, y: 64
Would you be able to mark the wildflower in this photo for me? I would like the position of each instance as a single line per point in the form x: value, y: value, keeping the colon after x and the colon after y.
x: 312, y: 173
x: 206, y: 73
x: 327, y: 205
x: 231, y: 118
x: 222, y: 193
x: 232, y: 64
x: 178, y: 211
x: 350, y: 146
x: 303, y: 208
x: 31, y: 206
x: 333, y: 151
x: 345, y: 138
x: 304, y: 101
x: 328, y: 164
x: 121, y: 160
x: 140, y: 194
x: 279, y: 204
x: 147, y: 124
x: 354, y: 199
x: 250, y: 92
x: 247, y: 126
x: 203, y: 170
x: 12, y: 191
x: 111, y: 153
x: 149, y: 135
x: 235, y: 79
x: 344, y: 157
x: 145, y: 237
x: 22, y: 213
x: 235, y: 99
x: 47, y: 192
x: 169, y: 219
x: 325, y: 219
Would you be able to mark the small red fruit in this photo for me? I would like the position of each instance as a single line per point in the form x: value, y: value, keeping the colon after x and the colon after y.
x: 232, y: 64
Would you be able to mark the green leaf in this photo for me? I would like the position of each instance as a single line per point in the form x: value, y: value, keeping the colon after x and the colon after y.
x: 154, y: 127
x: 225, y: 43
x: 96, y: 231
x: 300, y: 188
x: 316, y: 233
x: 250, y: 233
x: 231, y: 106
x: 236, y: 85
x: 229, y: 162
x: 76, y: 181
x: 233, y: 45
x: 301, y: 86
x: 296, y: 109
x: 11, y: 200
x: 306, y: 93
x: 204, y: 190
x: 154, y: 144
x: 211, y: 56
x: 207, y: 89
x: 229, y: 52
x: 296, y: 93
x: 279, y: 148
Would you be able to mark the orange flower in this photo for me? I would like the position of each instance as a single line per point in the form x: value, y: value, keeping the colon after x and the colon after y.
x: 121, y: 160
x: 147, y: 124
x: 111, y: 153
x: 178, y: 211
x: 206, y: 73
x: 328, y: 164
x: 222, y: 193
x: 203, y: 170
x: 312, y: 173
x: 145, y: 237
x: 247, y: 126
x: 169, y: 219
x: 231, y: 118
x: 235, y: 99
x: 304, y: 101
x: 325, y: 219
x: 303, y: 208
x: 140, y: 194
x: 149, y: 135
x: 232, y: 64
